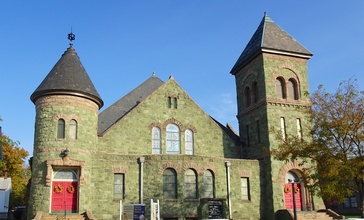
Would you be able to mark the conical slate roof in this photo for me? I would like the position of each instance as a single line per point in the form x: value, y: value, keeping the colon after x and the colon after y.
x: 269, y: 37
x: 68, y: 77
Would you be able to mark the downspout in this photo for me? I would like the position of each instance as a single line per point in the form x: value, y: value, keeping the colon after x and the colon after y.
x: 228, y: 164
x: 141, y: 160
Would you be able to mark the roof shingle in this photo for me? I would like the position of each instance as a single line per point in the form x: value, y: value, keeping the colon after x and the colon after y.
x: 68, y: 77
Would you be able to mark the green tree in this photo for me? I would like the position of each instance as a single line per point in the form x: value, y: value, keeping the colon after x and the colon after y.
x: 334, y: 156
x: 13, y: 165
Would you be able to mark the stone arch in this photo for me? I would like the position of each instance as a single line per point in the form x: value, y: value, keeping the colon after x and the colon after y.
x: 292, y: 165
x: 173, y: 121
x: 295, y: 75
x: 169, y: 164
x: 154, y: 124
x: 192, y: 128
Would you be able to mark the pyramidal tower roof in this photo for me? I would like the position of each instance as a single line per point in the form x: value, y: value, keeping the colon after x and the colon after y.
x: 68, y: 77
x: 270, y: 38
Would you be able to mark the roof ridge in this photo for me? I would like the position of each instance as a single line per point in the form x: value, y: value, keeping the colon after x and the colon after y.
x: 273, y: 39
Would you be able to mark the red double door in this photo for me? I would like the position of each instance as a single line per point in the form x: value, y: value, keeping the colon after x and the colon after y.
x: 288, y: 195
x: 64, y: 196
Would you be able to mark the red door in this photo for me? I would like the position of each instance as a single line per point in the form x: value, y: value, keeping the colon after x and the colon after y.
x: 64, y: 196
x: 288, y: 196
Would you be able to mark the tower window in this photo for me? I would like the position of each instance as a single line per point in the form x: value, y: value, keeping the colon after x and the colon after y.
x: 247, y: 135
x: 73, y: 129
x: 280, y: 88
x: 292, y: 89
x: 61, y: 129
x: 247, y: 96
x: 258, y: 130
x: 255, y: 92
x: 299, y: 128
x: 283, y: 128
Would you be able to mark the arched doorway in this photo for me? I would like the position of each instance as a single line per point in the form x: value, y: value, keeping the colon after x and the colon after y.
x: 292, y: 188
x: 64, y: 191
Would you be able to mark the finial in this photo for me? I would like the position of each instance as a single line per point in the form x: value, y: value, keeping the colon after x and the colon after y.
x: 71, y: 37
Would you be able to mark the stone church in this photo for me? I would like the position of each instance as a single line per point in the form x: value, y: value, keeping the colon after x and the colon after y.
x: 156, y: 143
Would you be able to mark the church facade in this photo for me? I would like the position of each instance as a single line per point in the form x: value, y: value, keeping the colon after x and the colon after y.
x: 156, y: 143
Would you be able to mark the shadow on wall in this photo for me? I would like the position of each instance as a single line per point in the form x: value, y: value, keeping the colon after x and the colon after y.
x: 283, y: 214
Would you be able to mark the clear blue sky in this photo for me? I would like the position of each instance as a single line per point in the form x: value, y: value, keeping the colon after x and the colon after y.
x: 121, y: 43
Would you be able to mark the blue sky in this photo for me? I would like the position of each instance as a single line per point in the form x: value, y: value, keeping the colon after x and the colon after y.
x: 121, y: 43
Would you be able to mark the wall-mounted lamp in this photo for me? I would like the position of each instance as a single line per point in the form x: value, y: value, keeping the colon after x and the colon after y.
x: 65, y: 153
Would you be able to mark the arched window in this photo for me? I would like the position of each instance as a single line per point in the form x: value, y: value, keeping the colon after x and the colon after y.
x: 169, y: 102
x: 255, y: 92
x: 61, y: 129
x: 292, y: 89
x: 175, y: 102
x: 170, y: 184
x: 156, y: 141
x: 65, y: 174
x: 208, y: 185
x: 280, y: 88
x: 73, y: 129
x: 291, y: 177
x: 247, y: 96
x: 189, y: 142
x: 173, y: 139
x: 190, y: 184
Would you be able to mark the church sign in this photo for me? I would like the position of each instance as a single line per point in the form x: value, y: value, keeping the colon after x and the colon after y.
x: 215, y: 209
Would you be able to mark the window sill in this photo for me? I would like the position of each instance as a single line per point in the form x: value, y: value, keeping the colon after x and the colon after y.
x: 170, y: 200
x: 192, y: 200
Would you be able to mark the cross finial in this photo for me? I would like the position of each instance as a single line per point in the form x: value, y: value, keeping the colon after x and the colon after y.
x: 71, y: 37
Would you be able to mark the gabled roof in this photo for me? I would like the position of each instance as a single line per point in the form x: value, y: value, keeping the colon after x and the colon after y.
x: 269, y: 37
x: 120, y: 108
x: 229, y: 130
x: 68, y: 77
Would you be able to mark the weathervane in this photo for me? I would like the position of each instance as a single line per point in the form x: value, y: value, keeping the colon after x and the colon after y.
x: 71, y: 37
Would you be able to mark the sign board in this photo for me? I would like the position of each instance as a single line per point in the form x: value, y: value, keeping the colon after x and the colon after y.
x: 154, y: 214
x: 133, y: 212
x: 215, y: 209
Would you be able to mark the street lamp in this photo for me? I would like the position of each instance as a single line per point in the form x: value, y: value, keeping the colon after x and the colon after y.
x: 294, y: 198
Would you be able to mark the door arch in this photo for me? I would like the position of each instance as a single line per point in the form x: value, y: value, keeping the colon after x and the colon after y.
x: 292, y: 189
x: 64, y: 191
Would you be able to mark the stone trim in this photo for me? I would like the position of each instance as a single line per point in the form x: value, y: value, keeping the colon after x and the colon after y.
x: 245, y: 173
x: 172, y: 121
x: 66, y: 118
x: 64, y: 162
x: 192, y: 166
x: 169, y: 164
x: 119, y: 169
x: 67, y: 100
x: 154, y: 124
x: 292, y: 165
x: 181, y: 127
x: 190, y: 127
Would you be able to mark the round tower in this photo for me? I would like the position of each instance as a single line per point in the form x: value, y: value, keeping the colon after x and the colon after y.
x: 67, y: 105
